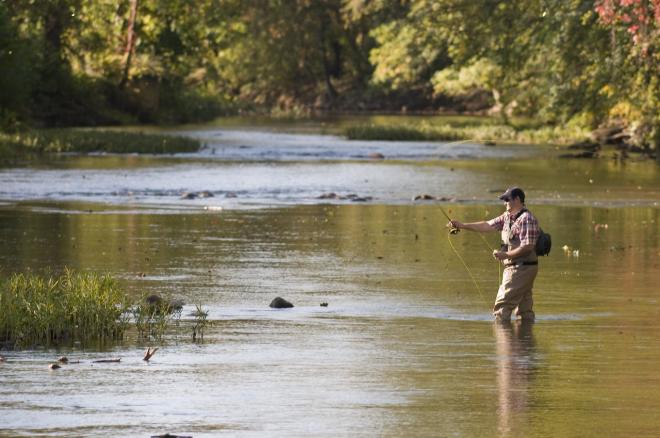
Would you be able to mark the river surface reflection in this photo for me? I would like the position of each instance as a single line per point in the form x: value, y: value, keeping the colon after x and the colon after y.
x: 406, y: 345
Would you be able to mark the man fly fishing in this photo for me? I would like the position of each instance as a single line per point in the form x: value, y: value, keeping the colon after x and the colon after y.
x: 520, y: 231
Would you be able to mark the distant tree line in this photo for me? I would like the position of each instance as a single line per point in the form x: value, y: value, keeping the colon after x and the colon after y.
x: 88, y: 62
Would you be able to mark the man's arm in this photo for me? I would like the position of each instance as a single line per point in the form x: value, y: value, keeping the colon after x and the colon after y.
x: 521, y: 251
x: 482, y: 227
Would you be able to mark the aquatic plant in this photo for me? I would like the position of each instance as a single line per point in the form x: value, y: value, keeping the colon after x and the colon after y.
x: 200, y: 322
x: 40, y: 310
x: 24, y: 144
x: 152, y: 319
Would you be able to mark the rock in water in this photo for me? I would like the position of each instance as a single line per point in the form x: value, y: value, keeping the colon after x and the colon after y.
x: 280, y: 303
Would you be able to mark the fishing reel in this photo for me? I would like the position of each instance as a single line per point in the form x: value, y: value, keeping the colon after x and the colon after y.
x: 454, y: 230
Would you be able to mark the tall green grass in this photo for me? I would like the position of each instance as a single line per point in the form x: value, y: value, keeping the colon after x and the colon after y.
x: 480, y: 133
x: 45, y: 311
x: 25, y: 144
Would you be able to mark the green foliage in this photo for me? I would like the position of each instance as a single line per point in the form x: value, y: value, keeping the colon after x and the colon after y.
x: 39, y: 310
x: 68, y: 62
x: 480, y: 74
x: 16, y: 75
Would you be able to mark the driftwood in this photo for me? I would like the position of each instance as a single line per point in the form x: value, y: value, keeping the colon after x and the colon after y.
x: 117, y: 359
x: 149, y: 353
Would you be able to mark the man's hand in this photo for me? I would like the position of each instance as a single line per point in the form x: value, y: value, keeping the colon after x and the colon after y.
x: 455, y: 224
x: 500, y: 255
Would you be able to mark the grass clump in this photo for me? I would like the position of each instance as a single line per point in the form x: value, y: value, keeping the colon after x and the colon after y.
x: 84, y: 141
x: 498, y: 132
x: 84, y: 307
x: 152, y: 318
x: 200, y: 322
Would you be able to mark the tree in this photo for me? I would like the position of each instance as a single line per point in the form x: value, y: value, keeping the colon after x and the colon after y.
x: 634, y: 27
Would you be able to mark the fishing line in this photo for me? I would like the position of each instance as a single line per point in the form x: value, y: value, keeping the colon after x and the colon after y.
x: 499, y: 265
x: 467, y: 268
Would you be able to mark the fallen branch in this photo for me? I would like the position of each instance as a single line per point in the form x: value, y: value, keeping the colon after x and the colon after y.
x: 149, y: 353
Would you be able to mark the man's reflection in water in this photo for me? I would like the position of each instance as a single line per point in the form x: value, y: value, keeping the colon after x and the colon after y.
x: 515, y: 367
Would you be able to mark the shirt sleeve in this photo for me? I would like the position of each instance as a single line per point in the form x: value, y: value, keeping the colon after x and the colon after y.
x: 498, y: 222
x: 529, y: 230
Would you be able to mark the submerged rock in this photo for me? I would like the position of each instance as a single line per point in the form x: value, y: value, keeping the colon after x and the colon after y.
x: 362, y: 199
x: 280, y: 303
x: 196, y: 195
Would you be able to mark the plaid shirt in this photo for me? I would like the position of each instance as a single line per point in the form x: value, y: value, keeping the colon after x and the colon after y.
x: 526, y: 227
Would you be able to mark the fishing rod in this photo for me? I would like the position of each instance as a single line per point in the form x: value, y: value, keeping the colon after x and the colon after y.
x: 453, y: 229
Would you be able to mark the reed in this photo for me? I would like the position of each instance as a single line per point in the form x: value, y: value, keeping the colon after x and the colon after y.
x: 45, y: 311
x: 200, y: 322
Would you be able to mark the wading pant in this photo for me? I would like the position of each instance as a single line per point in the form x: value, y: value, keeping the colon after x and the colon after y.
x: 516, y: 291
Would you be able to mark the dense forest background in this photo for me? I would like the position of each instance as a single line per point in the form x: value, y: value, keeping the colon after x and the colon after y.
x: 99, y: 62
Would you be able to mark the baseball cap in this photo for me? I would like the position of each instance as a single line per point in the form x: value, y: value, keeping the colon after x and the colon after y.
x: 513, y: 192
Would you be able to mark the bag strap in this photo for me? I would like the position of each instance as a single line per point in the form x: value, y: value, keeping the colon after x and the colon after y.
x: 516, y: 217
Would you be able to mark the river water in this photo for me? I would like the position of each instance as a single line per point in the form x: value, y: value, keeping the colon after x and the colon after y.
x: 405, y: 347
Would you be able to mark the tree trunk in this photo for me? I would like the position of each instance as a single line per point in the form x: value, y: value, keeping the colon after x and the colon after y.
x: 130, y: 43
x: 327, y: 68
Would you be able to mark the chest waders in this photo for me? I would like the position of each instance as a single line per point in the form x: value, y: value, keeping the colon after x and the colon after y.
x: 515, y: 292
x: 511, y: 241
